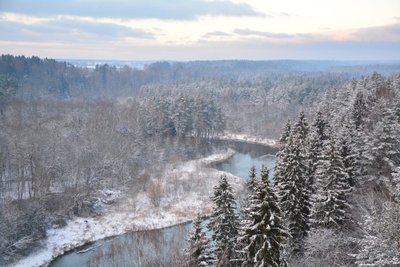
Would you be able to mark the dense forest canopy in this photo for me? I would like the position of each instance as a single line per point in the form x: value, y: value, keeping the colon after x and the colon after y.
x: 68, y: 132
x: 255, y: 96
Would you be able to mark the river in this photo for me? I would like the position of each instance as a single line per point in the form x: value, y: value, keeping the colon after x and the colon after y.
x: 159, y: 247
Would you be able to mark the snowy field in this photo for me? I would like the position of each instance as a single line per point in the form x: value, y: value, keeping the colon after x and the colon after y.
x: 177, y: 197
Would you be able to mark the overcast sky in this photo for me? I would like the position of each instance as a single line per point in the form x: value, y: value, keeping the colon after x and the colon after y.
x: 201, y: 29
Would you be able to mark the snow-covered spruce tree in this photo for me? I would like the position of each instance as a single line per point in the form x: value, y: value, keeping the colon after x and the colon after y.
x: 294, y: 193
x: 251, y: 186
x: 397, y: 111
x: 321, y: 127
x: 262, y: 233
x: 281, y: 161
x: 285, y: 133
x: 223, y: 222
x: 386, y: 143
x: 346, y: 150
x: 300, y: 131
x: 252, y: 180
x: 362, y: 154
x: 198, y: 253
x: 319, y: 133
x: 359, y: 110
x: 331, y: 208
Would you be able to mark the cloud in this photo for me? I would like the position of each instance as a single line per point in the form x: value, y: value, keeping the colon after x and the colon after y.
x: 217, y: 34
x: 129, y: 9
x: 248, y: 32
x: 67, y: 30
x: 388, y: 33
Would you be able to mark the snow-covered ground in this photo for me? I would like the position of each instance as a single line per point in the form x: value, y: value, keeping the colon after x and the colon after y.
x: 248, y: 139
x: 176, y: 197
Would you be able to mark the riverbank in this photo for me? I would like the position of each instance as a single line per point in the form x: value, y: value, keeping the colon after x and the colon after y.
x: 248, y: 139
x: 176, y: 197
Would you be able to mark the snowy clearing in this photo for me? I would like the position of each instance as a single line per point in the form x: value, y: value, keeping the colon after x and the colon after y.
x: 183, y: 192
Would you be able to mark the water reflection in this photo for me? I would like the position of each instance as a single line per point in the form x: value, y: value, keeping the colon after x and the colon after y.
x: 240, y: 164
x: 146, y: 248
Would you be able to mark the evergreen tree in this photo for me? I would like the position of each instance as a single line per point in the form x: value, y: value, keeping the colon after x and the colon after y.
x: 286, y: 132
x: 331, y: 208
x: 386, y: 143
x: 321, y: 127
x: 199, y: 254
x: 300, y: 131
x: 346, y: 150
x: 294, y: 193
x: 359, y: 110
x: 262, y: 232
x: 362, y: 154
x: 318, y: 136
x: 281, y: 161
x: 223, y: 222
x: 397, y: 111
x: 252, y: 182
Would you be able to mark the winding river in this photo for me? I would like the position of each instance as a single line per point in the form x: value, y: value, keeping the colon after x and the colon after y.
x: 160, y: 247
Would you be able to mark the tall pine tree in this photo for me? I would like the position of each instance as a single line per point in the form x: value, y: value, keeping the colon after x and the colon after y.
x: 318, y: 137
x: 386, y: 143
x: 223, y: 222
x: 331, y: 208
x: 293, y: 185
x: 286, y: 132
x: 252, y: 182
x: 262, y: 232
x: 359, y: 110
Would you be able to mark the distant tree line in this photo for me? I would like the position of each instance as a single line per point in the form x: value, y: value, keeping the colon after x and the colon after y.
x: 181, y: 116
x: 256, y: 96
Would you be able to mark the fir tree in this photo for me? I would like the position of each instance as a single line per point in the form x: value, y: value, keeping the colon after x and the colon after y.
x: 223, y: 222
x: 252, y: 182
x: 346, y: 150
x: 286, y: 132
x: 300, y: 131
x: 321, y: 127
x: 331, y: 208
x: 199, y: 254
x: 386, y: 143
x: 262, y: 233
x: 362, y: 154
x: 397, y: 112
x: 318, y: 136
x: 359, y: 110
x: 294, y: 193
x: 281, y: 161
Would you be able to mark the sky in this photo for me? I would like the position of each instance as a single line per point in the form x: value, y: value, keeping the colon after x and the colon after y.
x: 201, y: 29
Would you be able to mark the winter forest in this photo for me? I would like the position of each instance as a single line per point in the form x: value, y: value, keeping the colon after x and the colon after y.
x: 102, y: 149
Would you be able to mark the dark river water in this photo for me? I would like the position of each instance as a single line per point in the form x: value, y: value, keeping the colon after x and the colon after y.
x: 158, y: 247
